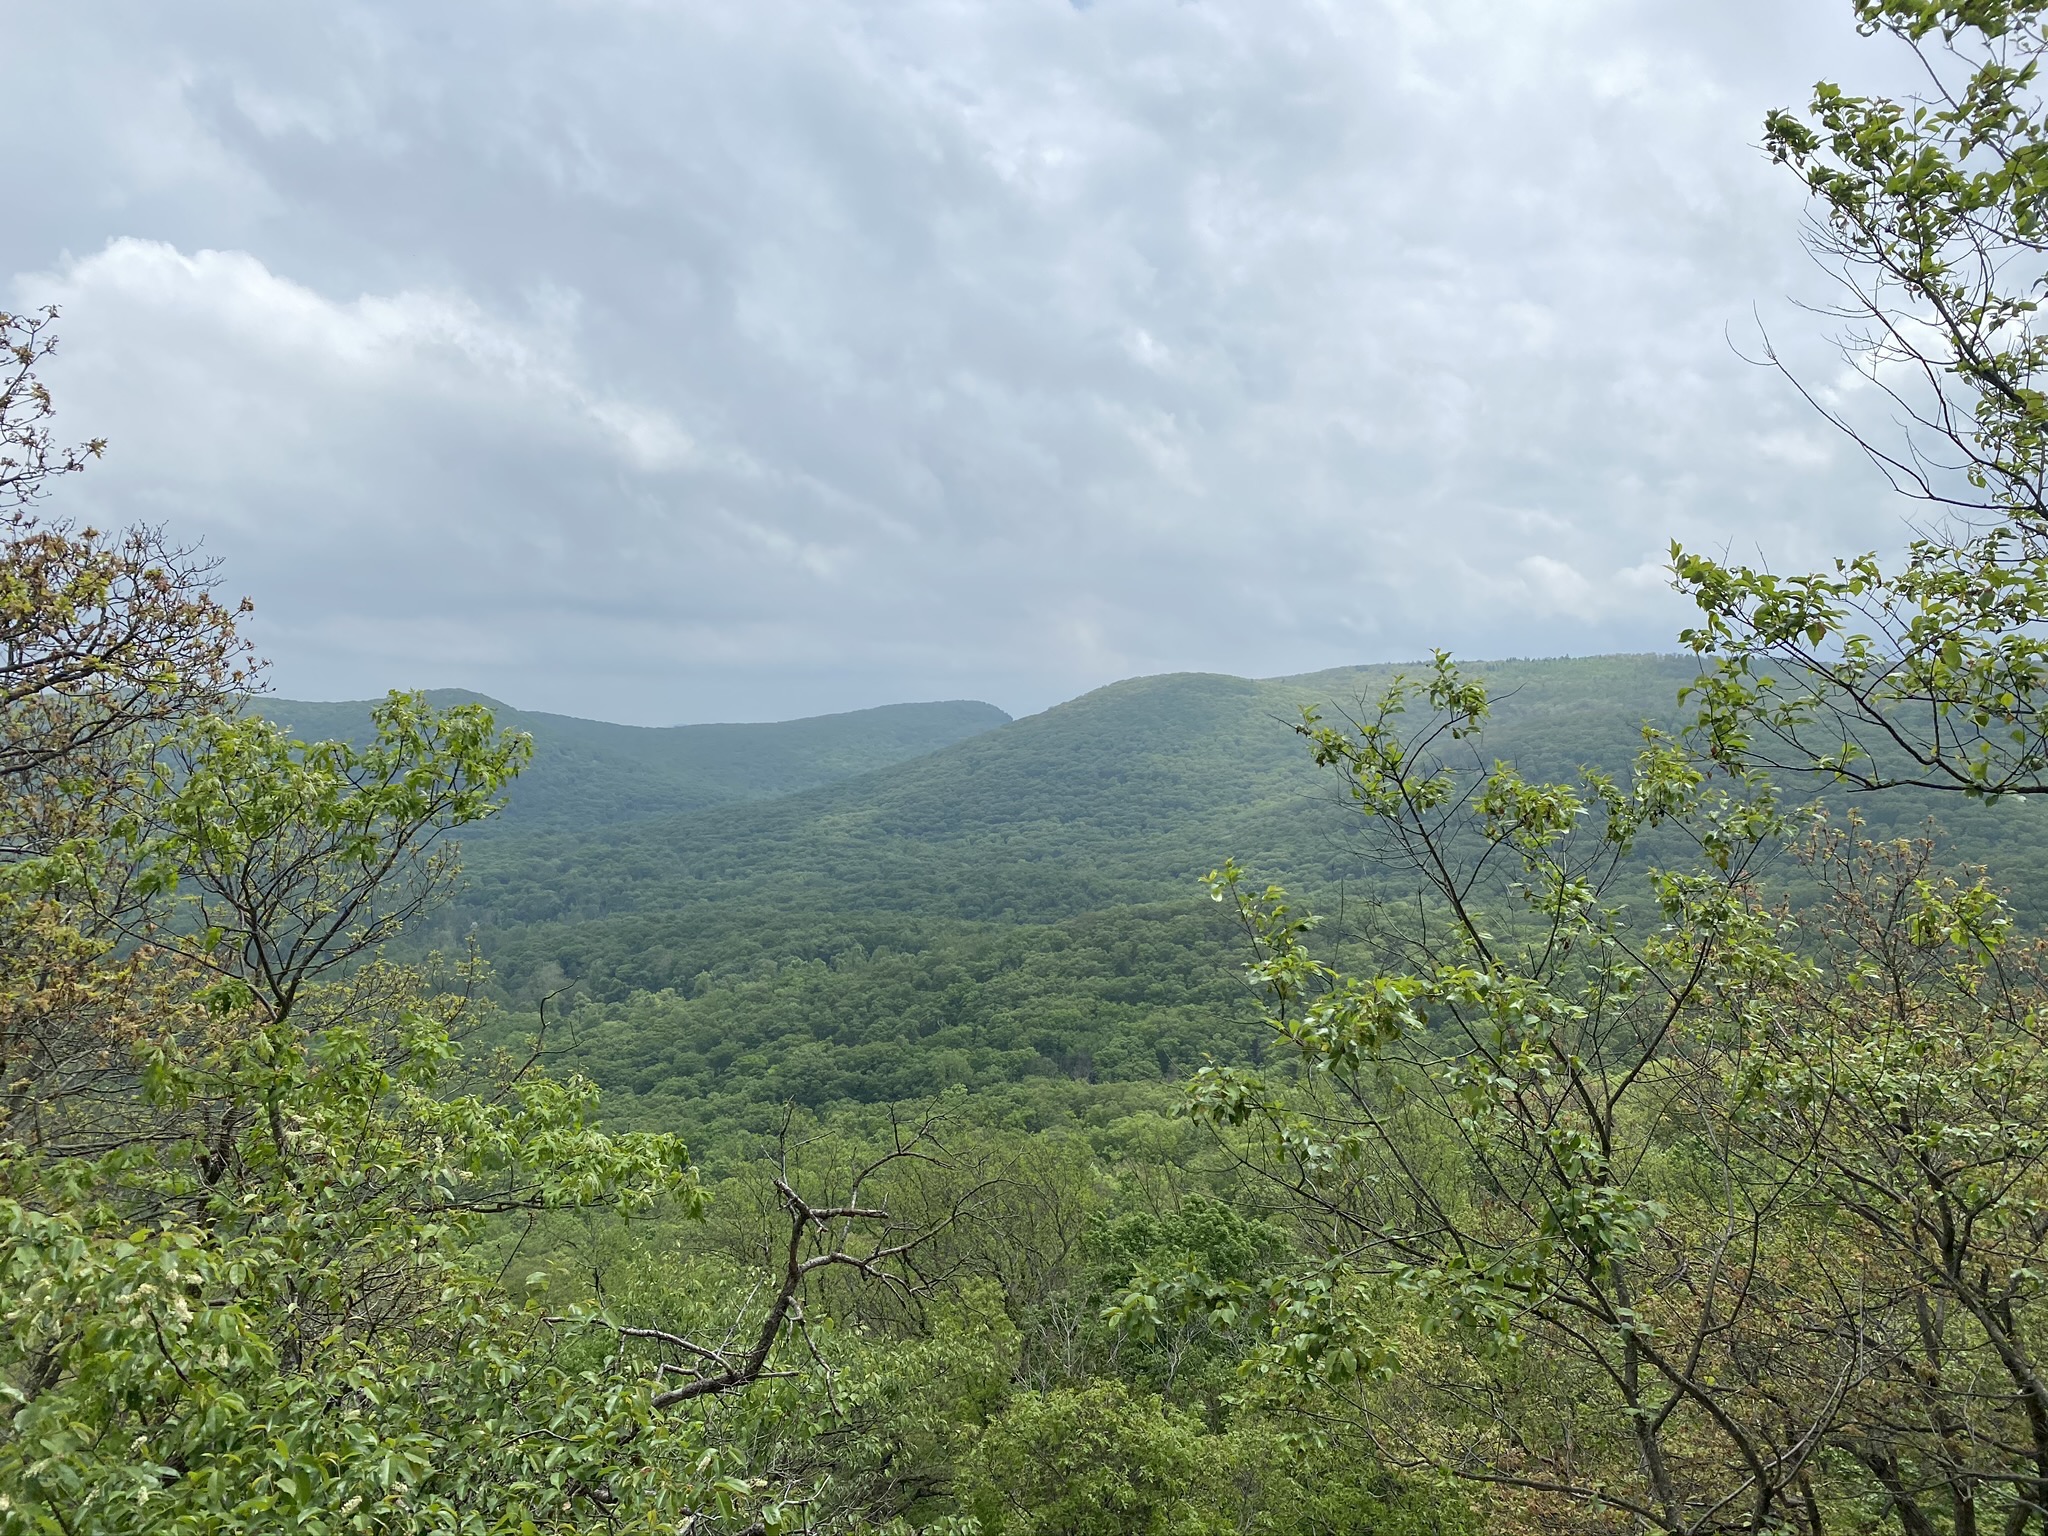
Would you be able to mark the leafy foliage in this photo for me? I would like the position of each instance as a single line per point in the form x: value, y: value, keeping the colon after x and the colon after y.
x: 1929, y: 210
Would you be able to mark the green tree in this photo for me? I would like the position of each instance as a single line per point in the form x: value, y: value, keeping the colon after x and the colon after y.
x: 254, y: 1174
x: 239, y: 1284
x: 1648, y: 1201
x: 1090, y: 1461
x: 1172, y: 1289
x: 1930, y: 209
x: 1534, y: 1253
x: 1897, y: 1064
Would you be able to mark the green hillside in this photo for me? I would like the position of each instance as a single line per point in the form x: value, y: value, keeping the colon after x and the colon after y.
x: 1021, y: 903
x: 587, y: 774
x: 1124, y: 795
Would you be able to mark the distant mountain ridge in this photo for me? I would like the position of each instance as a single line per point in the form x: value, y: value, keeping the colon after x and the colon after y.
x: 1019, y: 902
x: 588, y: 775
x: 1125, y: 795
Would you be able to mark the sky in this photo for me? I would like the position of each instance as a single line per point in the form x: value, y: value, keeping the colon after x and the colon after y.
x: 677, y: 360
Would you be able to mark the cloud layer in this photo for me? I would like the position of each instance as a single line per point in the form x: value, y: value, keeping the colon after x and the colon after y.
x: 685, y: 360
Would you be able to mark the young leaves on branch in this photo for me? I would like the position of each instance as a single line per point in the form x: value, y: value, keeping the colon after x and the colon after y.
x: 1929, y: 209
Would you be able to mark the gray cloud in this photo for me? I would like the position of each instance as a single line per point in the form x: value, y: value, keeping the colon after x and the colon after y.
x: 670, y: 361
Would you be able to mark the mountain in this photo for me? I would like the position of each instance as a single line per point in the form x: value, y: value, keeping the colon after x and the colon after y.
x: 1127, y: 794
x: 589, y: 775
x: 1122, y: 797
x: 1020, y: 905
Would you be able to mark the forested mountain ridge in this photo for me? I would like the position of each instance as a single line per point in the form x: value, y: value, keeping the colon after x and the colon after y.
x: 1022, y: 903
x: 591, y: 774
x: 1124, y: 794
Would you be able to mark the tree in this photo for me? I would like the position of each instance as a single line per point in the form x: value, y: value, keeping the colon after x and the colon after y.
x: 235, y: 1223
x: 29, y: 454
x: 249, y: 1163
x: 1170, y: 1288
x: 101, y: 636
x: 1635, y: 1195
x: 1091, y: 1461
x: 1534, y: 1255
x: 1898, y: 1064
x: 1930, y: 209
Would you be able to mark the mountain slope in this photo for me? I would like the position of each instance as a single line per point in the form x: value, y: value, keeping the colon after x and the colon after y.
x: 1123, y: 796
x: 1024, y: 903
x: 587, y: 774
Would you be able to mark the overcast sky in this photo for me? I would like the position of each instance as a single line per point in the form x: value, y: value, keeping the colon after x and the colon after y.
x: 671, y: 360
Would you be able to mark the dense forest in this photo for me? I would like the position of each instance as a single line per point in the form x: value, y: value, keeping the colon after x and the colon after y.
x: 1539, y: 1096
x: 587, y: 774
x: 1023, y: 904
